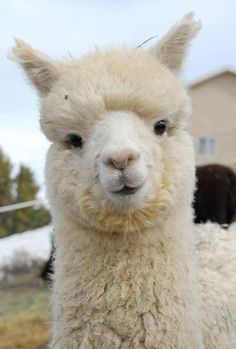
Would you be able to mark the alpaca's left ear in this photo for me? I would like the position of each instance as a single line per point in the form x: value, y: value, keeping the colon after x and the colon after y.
x: 173, y: 47
x: 40, y: 69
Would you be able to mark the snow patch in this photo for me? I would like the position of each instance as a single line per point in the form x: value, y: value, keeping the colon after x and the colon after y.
x: 35, y: 244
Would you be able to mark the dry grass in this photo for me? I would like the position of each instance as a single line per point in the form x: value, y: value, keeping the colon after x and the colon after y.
x: 24, y: 317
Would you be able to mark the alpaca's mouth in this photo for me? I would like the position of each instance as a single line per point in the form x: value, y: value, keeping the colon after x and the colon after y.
x: 127, y: 191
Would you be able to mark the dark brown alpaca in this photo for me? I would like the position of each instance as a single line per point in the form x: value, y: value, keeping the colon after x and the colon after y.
x: 215, y: 196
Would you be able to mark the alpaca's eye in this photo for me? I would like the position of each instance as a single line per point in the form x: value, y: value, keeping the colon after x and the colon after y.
x: 75, y: 141
x: 160, y: 127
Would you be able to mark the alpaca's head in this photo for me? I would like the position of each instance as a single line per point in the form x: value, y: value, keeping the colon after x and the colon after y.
x: 120, y: 157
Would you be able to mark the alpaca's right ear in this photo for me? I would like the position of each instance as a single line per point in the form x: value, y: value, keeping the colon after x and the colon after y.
x: 40, y: 69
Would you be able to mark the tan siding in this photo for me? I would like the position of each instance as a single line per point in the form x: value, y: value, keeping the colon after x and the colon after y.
x: 214, y: 114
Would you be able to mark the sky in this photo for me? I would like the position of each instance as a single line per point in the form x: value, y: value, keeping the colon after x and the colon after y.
x: 72, y: 27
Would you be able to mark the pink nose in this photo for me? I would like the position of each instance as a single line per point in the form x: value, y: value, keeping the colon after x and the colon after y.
x: 121, y: 159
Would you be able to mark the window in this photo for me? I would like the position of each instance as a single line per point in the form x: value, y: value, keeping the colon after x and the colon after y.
x: 206, y: 146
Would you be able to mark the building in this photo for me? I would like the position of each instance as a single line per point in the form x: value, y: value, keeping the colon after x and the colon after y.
x: 214, y: 117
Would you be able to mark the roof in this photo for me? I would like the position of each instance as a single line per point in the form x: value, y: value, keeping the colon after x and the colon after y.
x: 225, y: 69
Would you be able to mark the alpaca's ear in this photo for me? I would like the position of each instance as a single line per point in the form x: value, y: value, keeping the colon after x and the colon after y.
x: 173, y: 47
x: 40, y: 69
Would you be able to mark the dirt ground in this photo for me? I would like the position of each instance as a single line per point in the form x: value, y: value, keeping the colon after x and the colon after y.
x: 24, y: 315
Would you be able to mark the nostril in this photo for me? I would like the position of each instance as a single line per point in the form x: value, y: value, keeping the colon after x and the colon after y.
x: 121, y: 159
x: 129, y: 155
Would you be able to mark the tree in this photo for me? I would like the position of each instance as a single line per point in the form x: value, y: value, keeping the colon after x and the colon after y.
x: 20, y: 188
x: 5, y: 192
x: 26, y: 190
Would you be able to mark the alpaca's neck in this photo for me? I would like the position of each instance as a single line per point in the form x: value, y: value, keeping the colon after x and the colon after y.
x: 171, y: 242
x: 146, y: 275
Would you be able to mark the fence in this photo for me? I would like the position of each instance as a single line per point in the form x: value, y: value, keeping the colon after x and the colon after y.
x: 20, y: 205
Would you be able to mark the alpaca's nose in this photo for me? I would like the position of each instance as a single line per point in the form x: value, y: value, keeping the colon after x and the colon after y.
x: 120, y: 159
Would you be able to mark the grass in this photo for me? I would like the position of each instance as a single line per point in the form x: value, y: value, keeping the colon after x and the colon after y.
x: 24, y: 317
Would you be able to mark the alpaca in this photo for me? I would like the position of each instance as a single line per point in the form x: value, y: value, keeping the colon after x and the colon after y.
x: 215, y: 197
x: 120, y: 180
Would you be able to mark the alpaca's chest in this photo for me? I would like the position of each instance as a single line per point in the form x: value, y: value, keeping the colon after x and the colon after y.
x: 123, y: 300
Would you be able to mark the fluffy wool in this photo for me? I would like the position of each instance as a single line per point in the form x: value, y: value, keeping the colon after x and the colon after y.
x: 120, y: 180
x: 215, y: 250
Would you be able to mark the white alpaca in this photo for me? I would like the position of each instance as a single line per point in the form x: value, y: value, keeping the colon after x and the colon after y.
x: 120, y: 180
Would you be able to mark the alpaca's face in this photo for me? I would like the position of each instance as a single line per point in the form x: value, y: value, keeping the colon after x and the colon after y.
x: 118, y: 136
x: 120, y: 156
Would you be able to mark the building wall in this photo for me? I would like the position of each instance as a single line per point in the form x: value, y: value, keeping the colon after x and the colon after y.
x: 214, y: 115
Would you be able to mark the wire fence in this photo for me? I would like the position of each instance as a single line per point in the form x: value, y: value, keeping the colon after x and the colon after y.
x: 18, y: 206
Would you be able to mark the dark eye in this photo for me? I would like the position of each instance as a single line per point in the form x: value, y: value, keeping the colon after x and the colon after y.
x: 160, y: 127
x: 75, y: 141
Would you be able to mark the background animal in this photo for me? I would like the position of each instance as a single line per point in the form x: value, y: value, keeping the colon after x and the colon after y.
x: 215, y: 196
x: 120, y: 179
x: 48, y: 270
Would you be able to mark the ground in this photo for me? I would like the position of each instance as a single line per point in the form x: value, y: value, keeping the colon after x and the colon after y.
x: 24, y: 315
